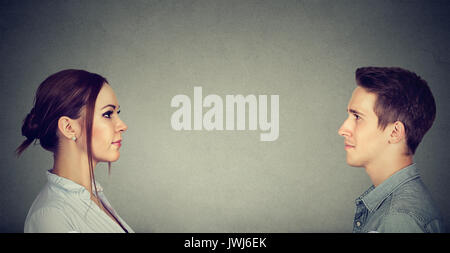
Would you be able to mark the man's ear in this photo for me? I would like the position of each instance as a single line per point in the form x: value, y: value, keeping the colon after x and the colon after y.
x: 398, y: 132
x: 68, y: 127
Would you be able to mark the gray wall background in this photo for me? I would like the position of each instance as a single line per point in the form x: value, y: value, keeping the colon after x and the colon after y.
x: 228, y: 181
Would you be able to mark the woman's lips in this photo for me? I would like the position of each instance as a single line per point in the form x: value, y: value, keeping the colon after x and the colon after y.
x: 118, y: 143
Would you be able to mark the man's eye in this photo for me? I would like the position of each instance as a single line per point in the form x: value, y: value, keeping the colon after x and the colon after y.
x: 107, y: 114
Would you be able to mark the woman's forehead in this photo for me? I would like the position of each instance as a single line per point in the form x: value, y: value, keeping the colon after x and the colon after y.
x: 105, y: 97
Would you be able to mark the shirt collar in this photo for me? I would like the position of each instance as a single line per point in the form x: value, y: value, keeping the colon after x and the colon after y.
x: 69, y: 185
x: 374, y: 196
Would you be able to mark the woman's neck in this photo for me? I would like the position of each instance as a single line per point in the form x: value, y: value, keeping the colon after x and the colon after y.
x: 70, y: 163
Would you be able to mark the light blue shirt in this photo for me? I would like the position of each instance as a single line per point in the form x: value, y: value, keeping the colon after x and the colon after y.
x: 400, y: 204
x: 64, y: 206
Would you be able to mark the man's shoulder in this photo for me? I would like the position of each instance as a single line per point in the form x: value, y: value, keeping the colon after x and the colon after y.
x: 412, y: 196
x: 414, y: 200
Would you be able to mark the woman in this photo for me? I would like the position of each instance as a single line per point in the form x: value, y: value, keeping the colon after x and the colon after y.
x: 75, y: 116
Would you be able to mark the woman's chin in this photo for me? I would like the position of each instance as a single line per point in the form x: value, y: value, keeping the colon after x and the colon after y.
x: 111, y: 158
x: 115, y: 158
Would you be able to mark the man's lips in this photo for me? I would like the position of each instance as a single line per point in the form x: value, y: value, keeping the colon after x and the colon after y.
x: 348, y: 146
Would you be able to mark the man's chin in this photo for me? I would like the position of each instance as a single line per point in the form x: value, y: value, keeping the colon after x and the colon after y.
x: 353, y: 163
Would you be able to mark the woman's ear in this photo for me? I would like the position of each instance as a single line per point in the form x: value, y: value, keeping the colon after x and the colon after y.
x: 68, y: 128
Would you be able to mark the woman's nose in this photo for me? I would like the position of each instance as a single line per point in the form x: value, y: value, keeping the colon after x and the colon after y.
x: 122, y: 127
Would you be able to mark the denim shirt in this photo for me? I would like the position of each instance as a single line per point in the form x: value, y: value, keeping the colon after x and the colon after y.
x: 400, y: 204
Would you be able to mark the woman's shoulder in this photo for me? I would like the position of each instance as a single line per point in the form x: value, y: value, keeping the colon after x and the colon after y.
x: 47, y: 203
x: 53, y: 210
x: 48, y: 197
x: 47, y: 217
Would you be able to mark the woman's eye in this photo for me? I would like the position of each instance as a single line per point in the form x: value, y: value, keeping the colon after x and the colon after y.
x: 107, y: 114
x: 357, y: 117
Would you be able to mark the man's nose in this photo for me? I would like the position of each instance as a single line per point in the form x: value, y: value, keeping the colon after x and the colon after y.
x: 344, y: 130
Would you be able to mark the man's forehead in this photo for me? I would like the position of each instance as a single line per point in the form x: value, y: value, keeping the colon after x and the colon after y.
x: 362, y: 101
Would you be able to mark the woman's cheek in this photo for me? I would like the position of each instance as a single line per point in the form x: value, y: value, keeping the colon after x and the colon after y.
x: 99, y: 137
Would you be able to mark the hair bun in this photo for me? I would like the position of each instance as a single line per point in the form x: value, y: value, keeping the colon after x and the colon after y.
x: 30, y: 128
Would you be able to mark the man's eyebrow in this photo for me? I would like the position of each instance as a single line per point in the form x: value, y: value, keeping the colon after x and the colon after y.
x: 113, y: 106
x: 356, y: 112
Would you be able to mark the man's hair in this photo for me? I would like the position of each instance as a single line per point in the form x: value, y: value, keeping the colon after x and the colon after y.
x: 401, y: 96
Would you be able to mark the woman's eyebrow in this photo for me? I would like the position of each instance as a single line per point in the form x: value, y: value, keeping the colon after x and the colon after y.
x: 113, y: 106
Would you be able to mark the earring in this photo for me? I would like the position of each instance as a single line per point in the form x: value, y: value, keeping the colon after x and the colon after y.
x: 74, y: 138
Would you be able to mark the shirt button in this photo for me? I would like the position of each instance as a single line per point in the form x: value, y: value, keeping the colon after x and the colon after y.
x: 358, y: 223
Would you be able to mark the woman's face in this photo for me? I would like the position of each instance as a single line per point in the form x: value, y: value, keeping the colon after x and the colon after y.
x: 107, y: 127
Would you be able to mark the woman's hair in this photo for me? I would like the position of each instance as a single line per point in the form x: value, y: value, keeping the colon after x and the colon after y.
x: 64, y: 93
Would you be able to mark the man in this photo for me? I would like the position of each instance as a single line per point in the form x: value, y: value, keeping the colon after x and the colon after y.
x: 389, y: 112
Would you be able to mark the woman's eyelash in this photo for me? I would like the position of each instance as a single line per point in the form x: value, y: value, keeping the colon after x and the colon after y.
x: 108, y: 114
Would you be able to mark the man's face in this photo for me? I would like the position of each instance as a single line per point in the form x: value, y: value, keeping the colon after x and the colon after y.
x: 364, y: 141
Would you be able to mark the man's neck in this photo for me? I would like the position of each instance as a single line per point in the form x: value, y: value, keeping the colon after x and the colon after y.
x: 381, y: 170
